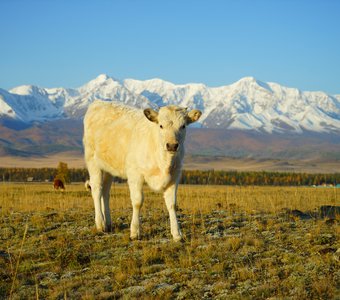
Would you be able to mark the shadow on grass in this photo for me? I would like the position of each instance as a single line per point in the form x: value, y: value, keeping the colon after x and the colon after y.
x: 324, y: 212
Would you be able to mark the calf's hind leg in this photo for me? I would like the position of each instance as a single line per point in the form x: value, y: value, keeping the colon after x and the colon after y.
x: 105, y: 200
x: 96, y: 179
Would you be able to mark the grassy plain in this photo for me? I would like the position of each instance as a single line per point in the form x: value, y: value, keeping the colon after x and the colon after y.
x: 239, y: 243
x: 191, y: 162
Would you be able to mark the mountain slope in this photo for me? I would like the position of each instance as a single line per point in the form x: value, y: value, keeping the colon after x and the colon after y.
x: 247, y: 104
x: 66, y: 135
x: 27, y: 104
x: 42, y: 138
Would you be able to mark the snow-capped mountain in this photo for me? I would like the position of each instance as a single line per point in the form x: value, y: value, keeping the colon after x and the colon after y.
x: 246, y: 104
x: 28, y: 103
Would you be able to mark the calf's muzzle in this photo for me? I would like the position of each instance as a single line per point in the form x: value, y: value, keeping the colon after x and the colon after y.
x: 172, y: 147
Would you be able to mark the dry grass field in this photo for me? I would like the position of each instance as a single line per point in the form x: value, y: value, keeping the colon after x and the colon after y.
x: 239, y: 243
x: 76, y: 160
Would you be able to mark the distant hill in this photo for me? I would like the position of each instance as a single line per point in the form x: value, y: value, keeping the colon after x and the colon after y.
x: 248, y: 119
x: 41, y: 139
x: 66, y: 135
x: 253, y: 144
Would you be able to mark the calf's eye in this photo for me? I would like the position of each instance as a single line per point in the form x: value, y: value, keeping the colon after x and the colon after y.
x: 183, y: 127
x: 161, y: 126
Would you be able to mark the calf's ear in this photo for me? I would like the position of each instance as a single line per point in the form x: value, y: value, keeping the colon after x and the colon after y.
x: 151, y: 115
x: 193, y: 116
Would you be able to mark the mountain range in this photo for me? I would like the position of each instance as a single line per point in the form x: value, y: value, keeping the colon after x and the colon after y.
x: 248, y: 118
x: 247, y: 104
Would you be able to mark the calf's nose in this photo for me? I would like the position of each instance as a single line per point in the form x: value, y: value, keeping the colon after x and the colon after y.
x: 172, y: 147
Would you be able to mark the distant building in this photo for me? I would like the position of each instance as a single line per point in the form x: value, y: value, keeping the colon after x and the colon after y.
x: 30, y: 179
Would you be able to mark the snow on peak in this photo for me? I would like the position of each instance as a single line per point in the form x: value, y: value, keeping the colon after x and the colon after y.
x: 249, y: 79
x: 28, y: 90
x: 99, y: 82
x: 29, y: 103
x: 246, y: 104
x: 249, y: 82
x: 5, y: 108
x: 102, y: 77
x: 150, y: 84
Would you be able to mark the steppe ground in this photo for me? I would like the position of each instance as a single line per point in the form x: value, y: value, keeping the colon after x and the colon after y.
x: 239, y: 243
x: 76, y: 160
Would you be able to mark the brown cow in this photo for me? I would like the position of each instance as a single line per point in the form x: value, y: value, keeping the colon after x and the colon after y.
x: 58, y: 184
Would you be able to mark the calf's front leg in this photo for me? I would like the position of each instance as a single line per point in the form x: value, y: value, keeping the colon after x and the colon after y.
x: 170, y: 195
x: 136, y: 195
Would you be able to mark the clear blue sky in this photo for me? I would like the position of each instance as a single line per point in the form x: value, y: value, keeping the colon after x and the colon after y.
x: 54, y: 43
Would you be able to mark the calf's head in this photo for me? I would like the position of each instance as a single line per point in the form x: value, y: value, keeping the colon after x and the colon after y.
x: 172, y: 121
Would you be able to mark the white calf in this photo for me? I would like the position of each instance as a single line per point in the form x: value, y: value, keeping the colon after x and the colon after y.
x: 142, y: 146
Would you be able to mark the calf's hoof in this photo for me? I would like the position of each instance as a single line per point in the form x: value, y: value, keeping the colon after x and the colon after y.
x: 108, y: 228
x: 135, y: 237
x: 104, y: 228
x: 178, y: 239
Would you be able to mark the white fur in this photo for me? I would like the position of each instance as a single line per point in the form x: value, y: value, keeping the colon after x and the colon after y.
x: 129, y: 143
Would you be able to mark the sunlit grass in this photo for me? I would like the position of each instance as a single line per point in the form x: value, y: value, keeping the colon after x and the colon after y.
x: 239, y: 242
